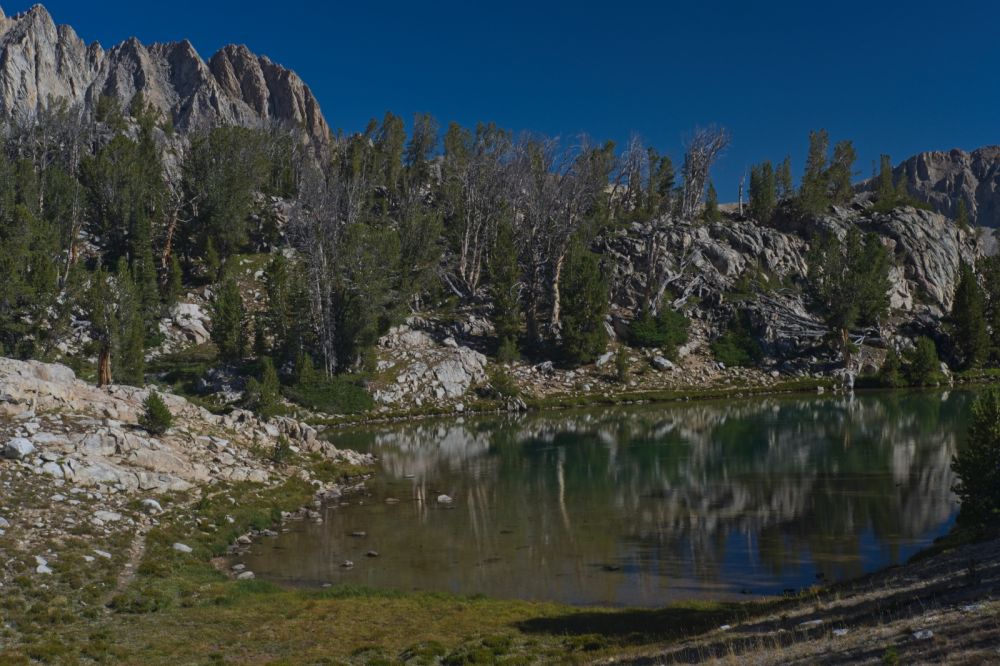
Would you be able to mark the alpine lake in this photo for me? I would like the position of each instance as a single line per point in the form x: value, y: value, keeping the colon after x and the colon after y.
x: 639, y: 505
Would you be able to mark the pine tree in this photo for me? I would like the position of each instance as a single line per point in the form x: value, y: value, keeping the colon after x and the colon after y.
x: 173, y: 287
x: 968, y: 319
x: 814, y: 197
x: 264, y: 396
x: 962, y: 215
x: 785, y: 187
x: 129, y: 356
x: 763, y: 192
x: 712, y: 213
x: 849, y: 281
x: 103, y: 324
x: 505, y: 288
x: 585, y: 305
x: 842, y: 172
x: 156, y: 418
x: 977, y: 465
x: 228, y: 321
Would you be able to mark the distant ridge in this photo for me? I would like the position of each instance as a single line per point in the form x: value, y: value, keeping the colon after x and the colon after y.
x: 40, y: 61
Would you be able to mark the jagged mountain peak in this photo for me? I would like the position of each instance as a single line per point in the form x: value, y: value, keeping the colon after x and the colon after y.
x: 40, y: 61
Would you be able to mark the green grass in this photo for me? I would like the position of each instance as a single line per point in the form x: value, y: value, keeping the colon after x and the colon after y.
x: 181, y: 608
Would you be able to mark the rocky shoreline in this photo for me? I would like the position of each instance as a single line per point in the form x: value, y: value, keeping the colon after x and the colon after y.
x: 74, y: 463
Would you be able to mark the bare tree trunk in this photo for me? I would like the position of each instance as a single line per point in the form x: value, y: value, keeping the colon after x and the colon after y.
x: 556, y: 294
x: 104, y: 368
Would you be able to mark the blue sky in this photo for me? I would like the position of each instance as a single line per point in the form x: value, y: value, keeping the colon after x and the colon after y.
x: 895, y: 77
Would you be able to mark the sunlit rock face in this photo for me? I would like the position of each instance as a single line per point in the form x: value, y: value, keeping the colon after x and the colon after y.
x: 945, y: 178
x: 41, y: 62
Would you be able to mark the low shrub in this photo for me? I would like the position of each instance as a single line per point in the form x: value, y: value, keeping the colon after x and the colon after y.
x: 668, y: 330
x: 156, y: 419
x: 737, y: 346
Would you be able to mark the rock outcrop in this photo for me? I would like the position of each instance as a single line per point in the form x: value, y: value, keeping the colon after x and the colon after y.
x: 40, y: 62
x: 943, y: 178
x: 428, y: 372
x: 66, y: 429
x: 715, y: 269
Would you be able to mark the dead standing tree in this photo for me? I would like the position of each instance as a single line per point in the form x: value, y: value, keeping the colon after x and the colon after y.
x: 477, y: 192
x: 700, y: 154
x: 557, y: 191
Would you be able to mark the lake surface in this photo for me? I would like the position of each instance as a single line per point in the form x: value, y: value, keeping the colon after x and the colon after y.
x: 642, y: 505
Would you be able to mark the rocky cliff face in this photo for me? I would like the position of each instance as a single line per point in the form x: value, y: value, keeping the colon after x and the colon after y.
x: 40, y: 61
x: 942, y: 179
x: 718, y: 268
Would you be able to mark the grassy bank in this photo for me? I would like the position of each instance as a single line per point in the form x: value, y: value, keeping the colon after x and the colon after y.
x: 181, y: 608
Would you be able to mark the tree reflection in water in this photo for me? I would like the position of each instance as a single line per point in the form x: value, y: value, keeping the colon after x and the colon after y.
x: 643, y: 505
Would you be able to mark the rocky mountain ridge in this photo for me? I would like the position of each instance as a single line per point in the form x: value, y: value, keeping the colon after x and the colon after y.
x: 41, y: 61
x: 943, y: 178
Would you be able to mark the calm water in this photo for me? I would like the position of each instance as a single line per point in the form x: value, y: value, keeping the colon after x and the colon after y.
x: 640, y: 506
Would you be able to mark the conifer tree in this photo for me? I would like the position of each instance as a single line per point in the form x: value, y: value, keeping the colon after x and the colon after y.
x: 103, y: 324
x: 173, y: 287
x: 968, y: 319
x: 228, y: 321
x: 712, y: 213
x: 784, y: 186
x: 849, y: 281
x: 962, y: 215
x: 763, y: 192
x: 505, y: 287
x: 842, y: 171
x: 128, y: 363
x: 814, y: 195
x: 585, y: 300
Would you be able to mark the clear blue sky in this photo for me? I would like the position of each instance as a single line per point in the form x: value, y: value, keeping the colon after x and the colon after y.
x: 896, y: 77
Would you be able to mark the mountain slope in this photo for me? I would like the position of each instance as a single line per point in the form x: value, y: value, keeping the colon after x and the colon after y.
x: 942, y: 179
x: 40, y: 61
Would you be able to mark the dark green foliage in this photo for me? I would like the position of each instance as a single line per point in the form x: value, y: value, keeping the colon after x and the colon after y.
x: 128, y: 359
x: 923, y: 367
x: 890, y: 193
x: 505, y: 287
x: 282, y: 328
x: 173, y: 286
x: 156, y: 418
x: 502, y: 384
x: 712, y: 212
x: 223, y: 171
x: 989, y: 268
x: 783, y: 180
x: 667, y: 331
x: 661, y: 183
x: 737, y: 346
x: 282, y: 450
x: 890, y: 374
x: 977, y: 465
x: 507, y: 351
x: 842, y: 172
x: 366, y: 298
x: 330, y: 395
x: 621, y: 364
x: 228, y: 321
x: 212, y: 262
x: 848, y: 280
x: 763, y: 192
x: 962, y: 215
x: 263, y: 396
x: 585, y: 305
x: 968, y: 320
x: 814, y: 193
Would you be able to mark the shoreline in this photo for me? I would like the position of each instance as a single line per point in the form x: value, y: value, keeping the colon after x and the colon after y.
x: 147, y: 586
